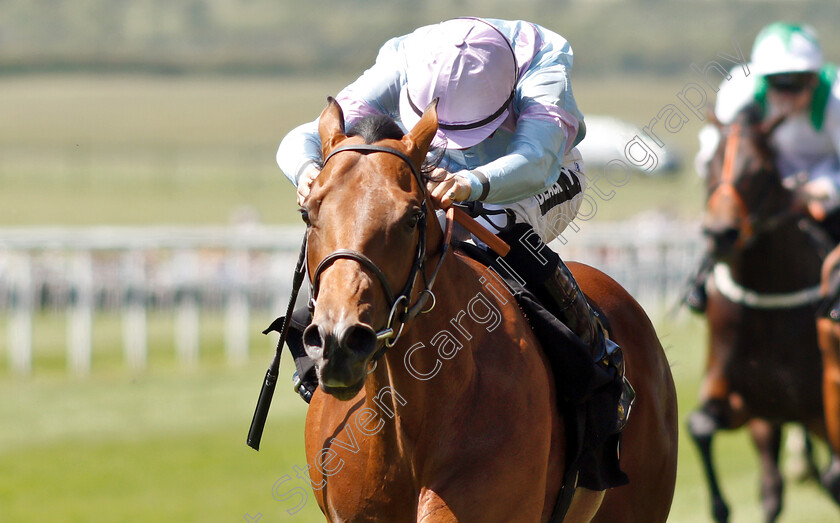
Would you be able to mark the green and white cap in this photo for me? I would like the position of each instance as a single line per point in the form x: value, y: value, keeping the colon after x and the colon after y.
x: 786, y: 48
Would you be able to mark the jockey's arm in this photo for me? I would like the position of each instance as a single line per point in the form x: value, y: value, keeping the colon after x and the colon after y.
x: 531, y: 164
x: 375, y: 92
x: 709, y: 138
x: 822, y: 190
x: 547, y: 127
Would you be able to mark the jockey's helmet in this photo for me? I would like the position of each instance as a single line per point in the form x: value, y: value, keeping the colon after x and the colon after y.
x: 471, y: 68
x: 782, y: 48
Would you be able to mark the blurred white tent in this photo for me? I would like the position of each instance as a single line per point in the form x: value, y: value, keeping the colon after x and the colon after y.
x: 606, y: 137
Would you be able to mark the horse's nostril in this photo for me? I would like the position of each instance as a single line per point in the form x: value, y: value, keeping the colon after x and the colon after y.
x: 728, y: 237
x: 724, y: 239
x: 312, y: 336
x: 359, y: 339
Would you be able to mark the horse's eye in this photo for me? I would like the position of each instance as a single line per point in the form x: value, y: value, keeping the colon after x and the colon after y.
x: 304, y: 214
x: 414, y: 219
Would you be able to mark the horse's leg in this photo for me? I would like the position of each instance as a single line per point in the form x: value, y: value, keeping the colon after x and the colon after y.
x: 830, y: 479
x: 585, y: 503
x: 719, y: 410
x: 799, y: 449
x: 702, y: 424
x: 768, y: 440
x: 829, y: 341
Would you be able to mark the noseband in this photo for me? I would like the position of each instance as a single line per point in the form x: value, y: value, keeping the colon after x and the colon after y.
x: 726, y: 186
x: 398, y: 304
x: 727, y: 180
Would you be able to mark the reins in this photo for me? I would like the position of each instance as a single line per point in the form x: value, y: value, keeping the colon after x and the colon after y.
x: 395, y: 302
x: 727, y: 180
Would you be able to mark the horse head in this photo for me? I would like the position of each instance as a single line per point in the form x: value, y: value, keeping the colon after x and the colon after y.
x: 744, y: 188
x: 366, y: 216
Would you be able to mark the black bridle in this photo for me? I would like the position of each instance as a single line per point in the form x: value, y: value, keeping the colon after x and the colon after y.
x: 756, y: 223
x: 403, y: 298
x: 386, y: 334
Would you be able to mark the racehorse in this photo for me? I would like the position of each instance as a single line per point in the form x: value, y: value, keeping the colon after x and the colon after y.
x: 763, y: 364
x: 436, y: 404
x: 828, y: 332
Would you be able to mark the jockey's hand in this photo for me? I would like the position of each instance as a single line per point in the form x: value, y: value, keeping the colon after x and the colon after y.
x: 305, y: 182
x: 450, y: 189
x: 817, y: 210
x: 813, y: 197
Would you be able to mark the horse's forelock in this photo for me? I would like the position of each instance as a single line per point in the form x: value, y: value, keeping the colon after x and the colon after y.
x: 375, y: 128
x: 378, y: 127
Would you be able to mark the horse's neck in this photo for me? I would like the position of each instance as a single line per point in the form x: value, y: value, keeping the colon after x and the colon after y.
x: 432, y: 368
x: 778, y: 261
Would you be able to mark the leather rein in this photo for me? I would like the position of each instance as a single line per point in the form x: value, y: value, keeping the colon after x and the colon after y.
x: 399, y: 304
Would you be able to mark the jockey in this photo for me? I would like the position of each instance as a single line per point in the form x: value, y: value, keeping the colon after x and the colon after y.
x: 788, y: 77
x: 509, y: 125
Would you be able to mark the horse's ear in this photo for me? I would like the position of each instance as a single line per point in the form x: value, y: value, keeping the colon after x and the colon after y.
x: 331, y: 126
x: 712, y: 117
x: 419, y: 139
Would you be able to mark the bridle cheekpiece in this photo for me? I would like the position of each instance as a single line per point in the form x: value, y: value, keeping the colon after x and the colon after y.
x: 399, y: 304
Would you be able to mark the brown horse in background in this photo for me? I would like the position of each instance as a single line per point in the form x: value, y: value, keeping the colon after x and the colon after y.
x: 828, y: 332
x: 457, y: 420
x: 763, y: 364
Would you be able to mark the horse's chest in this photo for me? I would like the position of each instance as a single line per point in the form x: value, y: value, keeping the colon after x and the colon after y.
x: 369, y: 488
x: 772, y: 362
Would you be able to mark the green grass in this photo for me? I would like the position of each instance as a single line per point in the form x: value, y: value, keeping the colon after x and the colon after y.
x: 168, y: 445
x: 162, y: 447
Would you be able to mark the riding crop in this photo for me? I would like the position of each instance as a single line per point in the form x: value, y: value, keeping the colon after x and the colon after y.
x: 270, y: 382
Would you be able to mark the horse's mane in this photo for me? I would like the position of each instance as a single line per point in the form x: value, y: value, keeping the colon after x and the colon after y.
x: 375, y: 127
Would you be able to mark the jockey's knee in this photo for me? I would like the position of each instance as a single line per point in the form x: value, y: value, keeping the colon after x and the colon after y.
x: 529, y: 256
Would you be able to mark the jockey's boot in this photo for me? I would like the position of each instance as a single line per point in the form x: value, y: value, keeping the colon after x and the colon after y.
x: 553, y: 284
x: 562, y: 296
x: 304, y: 380
x: 696, y: 297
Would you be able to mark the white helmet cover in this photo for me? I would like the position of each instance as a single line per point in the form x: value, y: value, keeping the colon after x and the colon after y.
x: 786, y: 48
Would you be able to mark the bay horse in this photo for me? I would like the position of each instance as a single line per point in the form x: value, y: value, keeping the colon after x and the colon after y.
x: 828, y: 334
x: 763, y: 364
x: 454, y: 416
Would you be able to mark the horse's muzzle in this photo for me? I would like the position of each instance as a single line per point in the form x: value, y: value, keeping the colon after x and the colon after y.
x: 341, y: 355
x: 722, y: 240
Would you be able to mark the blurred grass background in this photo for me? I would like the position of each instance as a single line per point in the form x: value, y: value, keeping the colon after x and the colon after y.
x: 78, y: 150
x: 129, y: 112
x: 168, y: 445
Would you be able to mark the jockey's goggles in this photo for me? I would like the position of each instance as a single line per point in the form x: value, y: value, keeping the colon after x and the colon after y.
x: 790, y: 82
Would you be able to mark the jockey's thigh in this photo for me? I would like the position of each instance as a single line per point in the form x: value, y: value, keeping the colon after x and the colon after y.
x: 550, y: 211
